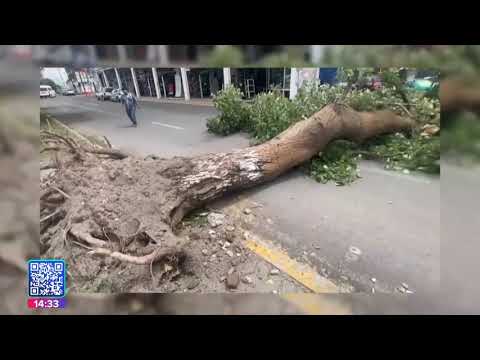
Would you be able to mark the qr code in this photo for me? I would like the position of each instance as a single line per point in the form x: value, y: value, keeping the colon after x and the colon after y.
x: 46, y: 278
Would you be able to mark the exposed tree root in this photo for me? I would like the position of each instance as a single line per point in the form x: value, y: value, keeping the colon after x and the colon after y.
x: 113, y: 153
x: 78, y: 149
x: 49, y: 165
x: 49, y: 220
x: 61, y: 192
x: 50, y: 148
x: 86, y: 237
x: 156, y: 255
x: 51, y: 215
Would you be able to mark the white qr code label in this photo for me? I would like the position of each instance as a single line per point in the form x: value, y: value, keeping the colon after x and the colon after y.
x: 46, y: 278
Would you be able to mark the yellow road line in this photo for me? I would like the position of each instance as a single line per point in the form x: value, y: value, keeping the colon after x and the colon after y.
x: 313, y: 304
x: 303, y: 273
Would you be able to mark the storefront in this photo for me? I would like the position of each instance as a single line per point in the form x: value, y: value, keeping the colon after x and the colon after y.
x: 169, y: 82
x: 103, y: 84
x: 279, y: 78
x: 145, y: 81
x: 112, y: 78
x: 125, y: 75
x: 254, y: 81
x: 204, y: 83
x: 328, y: 76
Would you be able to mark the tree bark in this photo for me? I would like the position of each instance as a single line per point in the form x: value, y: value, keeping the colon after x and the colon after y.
x: 206, y: 178
x: 457, y: 95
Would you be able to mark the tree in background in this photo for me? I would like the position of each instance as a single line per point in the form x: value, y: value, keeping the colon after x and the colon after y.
x: 51, y: 83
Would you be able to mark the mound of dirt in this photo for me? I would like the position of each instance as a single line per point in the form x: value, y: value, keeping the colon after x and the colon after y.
x: 98, y: 207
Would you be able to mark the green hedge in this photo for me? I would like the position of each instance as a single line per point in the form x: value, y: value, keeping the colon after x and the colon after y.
x: 234, y: 113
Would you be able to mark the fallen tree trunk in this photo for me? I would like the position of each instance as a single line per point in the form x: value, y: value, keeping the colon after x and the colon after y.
x: 457, y: 94
x: 107, y: 194
x: 211, y: 176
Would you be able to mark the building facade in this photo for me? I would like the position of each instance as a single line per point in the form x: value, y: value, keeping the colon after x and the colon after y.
x: 204, y: 83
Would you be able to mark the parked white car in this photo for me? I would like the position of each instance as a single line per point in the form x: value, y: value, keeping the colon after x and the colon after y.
x: 47, y: 91
x: 105, y: 94
x: 68, y: 92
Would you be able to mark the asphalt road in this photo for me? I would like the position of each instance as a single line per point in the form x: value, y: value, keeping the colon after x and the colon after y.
x: 393, y: 218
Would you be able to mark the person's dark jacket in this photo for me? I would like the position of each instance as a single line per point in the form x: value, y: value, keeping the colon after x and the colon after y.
x: 129, y: 101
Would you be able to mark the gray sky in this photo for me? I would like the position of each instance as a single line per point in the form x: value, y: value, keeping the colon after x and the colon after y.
x: 58, y: 75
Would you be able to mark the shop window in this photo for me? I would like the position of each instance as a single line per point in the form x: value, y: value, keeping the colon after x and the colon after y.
x: 204, y: 83
x: 168, y: 83
x: 146, y: 84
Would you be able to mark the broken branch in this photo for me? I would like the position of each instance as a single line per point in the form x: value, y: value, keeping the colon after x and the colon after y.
x: 113, y: 153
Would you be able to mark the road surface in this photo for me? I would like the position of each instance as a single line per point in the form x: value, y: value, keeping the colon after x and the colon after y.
x: 392, y: 218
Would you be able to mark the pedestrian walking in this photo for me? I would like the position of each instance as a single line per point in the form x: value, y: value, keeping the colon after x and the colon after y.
x: 131, y: 104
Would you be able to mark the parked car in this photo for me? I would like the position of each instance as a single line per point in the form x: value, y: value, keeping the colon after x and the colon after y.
x: 116, y: 95
x: 423, y: 84
x: 99, y: 94
x: 105, y: 94
x: 68, y: 92
x: 47, y: 91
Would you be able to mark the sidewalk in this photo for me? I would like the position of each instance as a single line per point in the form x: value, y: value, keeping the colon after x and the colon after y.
x: 196, y: 102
